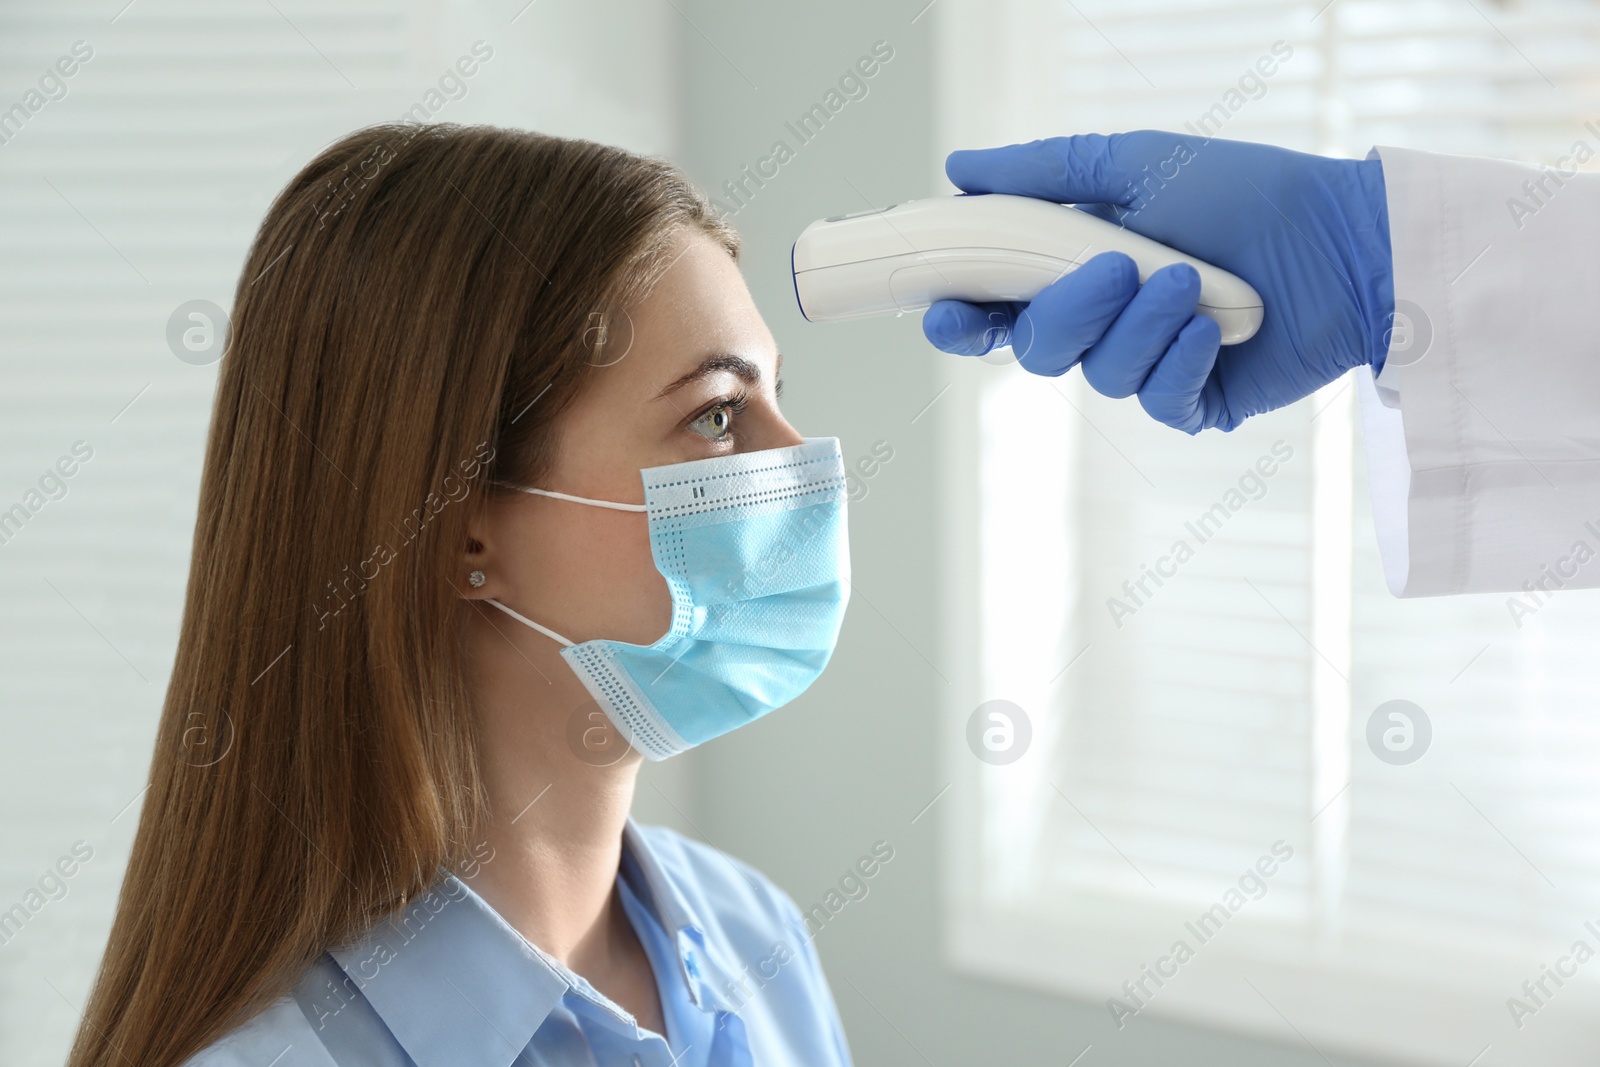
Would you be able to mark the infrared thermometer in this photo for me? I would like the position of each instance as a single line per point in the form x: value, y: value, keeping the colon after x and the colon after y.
x: 980, y: 247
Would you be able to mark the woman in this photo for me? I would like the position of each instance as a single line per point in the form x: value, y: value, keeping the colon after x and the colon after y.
x: 497, y: 414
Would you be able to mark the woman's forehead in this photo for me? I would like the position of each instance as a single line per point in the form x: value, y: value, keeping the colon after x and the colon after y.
x: 699, y: 319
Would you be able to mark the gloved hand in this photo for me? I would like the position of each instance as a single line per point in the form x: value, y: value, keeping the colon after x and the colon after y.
x: 1310, y: 233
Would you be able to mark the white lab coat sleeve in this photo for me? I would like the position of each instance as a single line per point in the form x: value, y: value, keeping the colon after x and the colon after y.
x: 1483, y: 431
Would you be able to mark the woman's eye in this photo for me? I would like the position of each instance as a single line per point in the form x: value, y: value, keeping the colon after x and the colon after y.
x: 715, y: 424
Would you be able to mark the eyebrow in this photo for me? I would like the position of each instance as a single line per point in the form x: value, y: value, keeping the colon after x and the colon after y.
x: 721, y: 362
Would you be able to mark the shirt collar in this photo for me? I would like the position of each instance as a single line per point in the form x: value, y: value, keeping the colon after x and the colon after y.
x: 713, y: 984
x: 452, y: 980
x: 458, y: 986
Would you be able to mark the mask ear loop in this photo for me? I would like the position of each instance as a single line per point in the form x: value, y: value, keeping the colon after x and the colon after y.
x: 551, y: 634
x: 613, y: 505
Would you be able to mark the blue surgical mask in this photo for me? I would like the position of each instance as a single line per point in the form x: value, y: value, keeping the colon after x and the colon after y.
x: 754, y: 549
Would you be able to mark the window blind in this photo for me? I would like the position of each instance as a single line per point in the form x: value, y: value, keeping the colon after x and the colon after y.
x: 130, y: 191
x: 1223, y: 706
x: 131, y: 188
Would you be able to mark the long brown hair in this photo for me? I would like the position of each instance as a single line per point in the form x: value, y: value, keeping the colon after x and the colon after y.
x: 418, y: 306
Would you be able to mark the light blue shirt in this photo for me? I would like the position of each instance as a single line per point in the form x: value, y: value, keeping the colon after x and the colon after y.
x: 448, y: 983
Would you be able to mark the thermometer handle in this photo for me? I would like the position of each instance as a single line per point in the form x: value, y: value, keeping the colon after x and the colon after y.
x: 979, y: 248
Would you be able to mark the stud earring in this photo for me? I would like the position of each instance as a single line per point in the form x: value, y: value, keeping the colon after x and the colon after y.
x: 476, y: 579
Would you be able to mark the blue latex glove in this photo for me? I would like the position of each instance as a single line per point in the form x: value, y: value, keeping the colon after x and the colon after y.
x: 1310, y: 233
